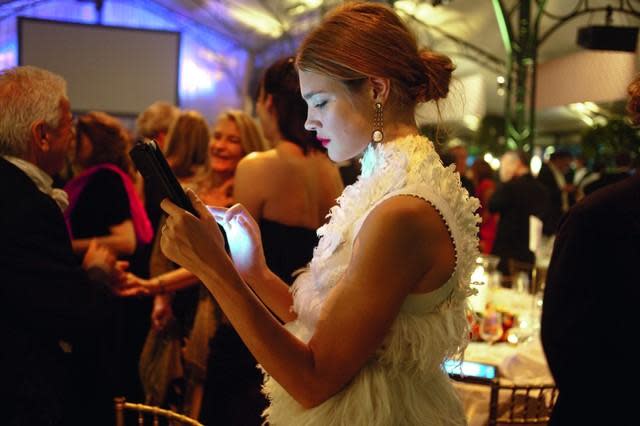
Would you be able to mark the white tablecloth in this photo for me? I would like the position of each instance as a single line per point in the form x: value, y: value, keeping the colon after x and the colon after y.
x: 524, y: 363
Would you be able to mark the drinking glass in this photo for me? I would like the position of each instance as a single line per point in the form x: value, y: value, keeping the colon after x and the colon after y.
x: 521, y: 283
x: 490, y: 329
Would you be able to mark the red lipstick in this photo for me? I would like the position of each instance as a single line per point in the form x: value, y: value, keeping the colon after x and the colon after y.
x: 324, y: 142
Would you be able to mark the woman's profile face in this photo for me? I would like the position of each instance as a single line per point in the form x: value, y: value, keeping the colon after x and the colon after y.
x: 84, y: 149
x: 225, y: 147
x: 343, y: 122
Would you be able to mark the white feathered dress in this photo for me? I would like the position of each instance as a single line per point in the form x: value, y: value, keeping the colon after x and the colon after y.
x: 403, y: 383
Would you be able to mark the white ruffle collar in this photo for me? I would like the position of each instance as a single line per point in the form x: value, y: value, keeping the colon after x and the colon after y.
x: 389, y: 167
x: 384, y: 169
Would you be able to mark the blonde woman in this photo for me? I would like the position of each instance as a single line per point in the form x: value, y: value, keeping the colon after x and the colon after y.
x: 234, y: 135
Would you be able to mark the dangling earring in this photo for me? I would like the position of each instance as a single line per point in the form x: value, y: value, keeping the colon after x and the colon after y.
x: 378, y: 122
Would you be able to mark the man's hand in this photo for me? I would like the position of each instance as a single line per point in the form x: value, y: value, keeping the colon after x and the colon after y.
x: 100, y: 262
x: 101, y: 265
x: 99, y: 256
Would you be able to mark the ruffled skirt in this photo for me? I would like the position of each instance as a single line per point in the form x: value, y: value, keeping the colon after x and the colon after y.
x: 374, y: 398
x: 379, y: 395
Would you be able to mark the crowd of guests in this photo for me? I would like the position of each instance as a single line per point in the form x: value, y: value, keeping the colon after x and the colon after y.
x: 136, y: 310
x: 94, y: 309
x: 511, y: 195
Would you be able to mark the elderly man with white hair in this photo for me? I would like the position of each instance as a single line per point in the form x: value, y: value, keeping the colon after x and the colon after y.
x: 48, y: 299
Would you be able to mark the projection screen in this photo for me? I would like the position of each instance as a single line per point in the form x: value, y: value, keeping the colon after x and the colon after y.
x: 112, y: 69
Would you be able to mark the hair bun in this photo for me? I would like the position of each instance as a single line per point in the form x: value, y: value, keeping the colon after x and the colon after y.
x: 437, y: 76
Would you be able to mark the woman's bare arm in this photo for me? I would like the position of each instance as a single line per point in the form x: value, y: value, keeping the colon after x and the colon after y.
x: 274, y: 293
x: 397, y: 245
x: 121, y: 241
x: 268, y: 286
x: 245, y: 243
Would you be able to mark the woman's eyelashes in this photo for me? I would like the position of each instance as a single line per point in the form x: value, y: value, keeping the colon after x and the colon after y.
x: 320, y: 105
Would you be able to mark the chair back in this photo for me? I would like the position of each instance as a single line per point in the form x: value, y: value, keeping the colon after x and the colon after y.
x: 512, y: 404
x: 150, y: 412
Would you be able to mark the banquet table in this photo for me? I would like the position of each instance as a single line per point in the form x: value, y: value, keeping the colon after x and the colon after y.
x: 524, y: 363
x: 520, y: 362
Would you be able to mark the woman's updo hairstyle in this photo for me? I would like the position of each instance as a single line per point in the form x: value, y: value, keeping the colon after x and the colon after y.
x: 361, y: 40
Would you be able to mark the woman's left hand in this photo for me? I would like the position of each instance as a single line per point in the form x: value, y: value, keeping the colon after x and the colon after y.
x: 245, y: 241
x: 190, y: 241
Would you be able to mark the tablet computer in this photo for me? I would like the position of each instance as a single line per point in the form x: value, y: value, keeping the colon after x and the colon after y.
x: 155, y: 170
x: 470, y: 370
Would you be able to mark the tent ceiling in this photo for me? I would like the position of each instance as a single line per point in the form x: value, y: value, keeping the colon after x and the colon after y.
x: 467, y: 30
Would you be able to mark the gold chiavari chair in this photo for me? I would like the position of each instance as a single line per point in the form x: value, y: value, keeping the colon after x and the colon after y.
x: 526, y: 404
x: 149, y: 411
x: 515, y: 404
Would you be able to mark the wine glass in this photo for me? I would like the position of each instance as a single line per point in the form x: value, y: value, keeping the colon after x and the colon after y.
x: 490, y: 329
x: 522, y: 283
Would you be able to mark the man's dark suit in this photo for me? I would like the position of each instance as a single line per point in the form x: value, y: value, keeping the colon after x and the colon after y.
x: 604, y: 180
x: 590, y: 313
x: 515, y: 201
x: 45, y: 297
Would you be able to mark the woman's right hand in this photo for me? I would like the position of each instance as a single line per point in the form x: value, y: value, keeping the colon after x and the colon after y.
x: 162, y: 313
x: 245, y: 241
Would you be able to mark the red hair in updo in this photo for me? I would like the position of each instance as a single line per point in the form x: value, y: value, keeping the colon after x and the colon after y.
x: 361, y: 40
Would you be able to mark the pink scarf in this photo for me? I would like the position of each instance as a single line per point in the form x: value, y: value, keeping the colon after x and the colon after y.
x: 141, y: 224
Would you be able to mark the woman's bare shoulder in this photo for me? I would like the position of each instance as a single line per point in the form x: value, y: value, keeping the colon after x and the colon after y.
x: 413, y: 221
x: 258, y: 162
x: 260, y: 156
x: 411, y: 230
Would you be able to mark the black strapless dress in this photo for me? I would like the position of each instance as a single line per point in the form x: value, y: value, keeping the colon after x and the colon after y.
x: 287, y: 248
x: 232, y: 393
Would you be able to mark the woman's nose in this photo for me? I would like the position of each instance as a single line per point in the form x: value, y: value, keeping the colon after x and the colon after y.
x: 311, y: 125
x: 217, y: 144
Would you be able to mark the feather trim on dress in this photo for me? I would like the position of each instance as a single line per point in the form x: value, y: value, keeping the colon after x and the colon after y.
x: 403, y: 384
